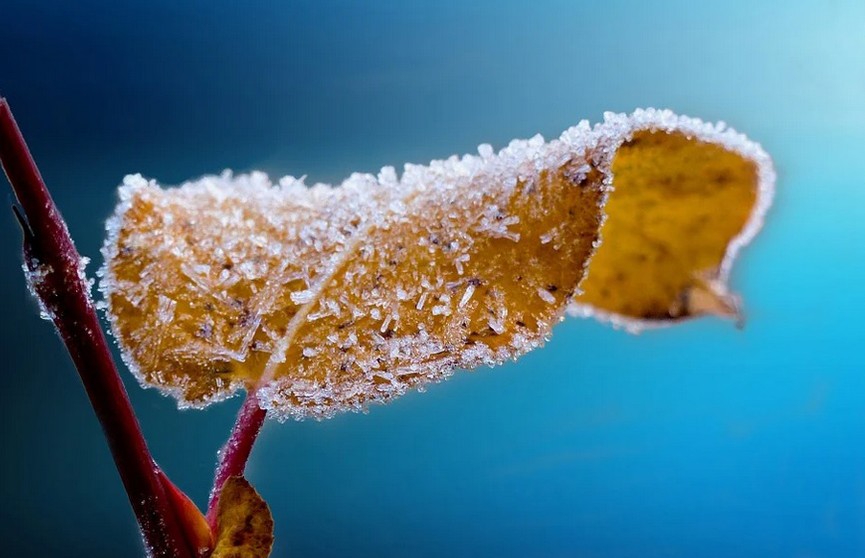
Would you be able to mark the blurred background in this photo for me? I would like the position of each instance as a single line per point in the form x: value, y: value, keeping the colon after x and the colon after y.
x: 700, y: 440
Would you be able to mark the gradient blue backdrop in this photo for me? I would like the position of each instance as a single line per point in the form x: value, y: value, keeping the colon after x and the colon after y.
x: 700, y: 440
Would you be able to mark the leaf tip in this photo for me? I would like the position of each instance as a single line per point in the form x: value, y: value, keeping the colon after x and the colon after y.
x: 244, y: 523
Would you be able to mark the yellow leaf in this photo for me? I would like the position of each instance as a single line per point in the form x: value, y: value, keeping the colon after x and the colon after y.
x: 687, y: 196
x: 244, y: 526
x: 325, y: 299
x: 328, y: 298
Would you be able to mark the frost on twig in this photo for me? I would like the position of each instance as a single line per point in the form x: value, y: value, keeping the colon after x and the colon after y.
x: 55, y: 275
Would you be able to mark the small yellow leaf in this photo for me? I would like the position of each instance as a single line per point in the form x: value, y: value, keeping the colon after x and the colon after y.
x: 244, y: 525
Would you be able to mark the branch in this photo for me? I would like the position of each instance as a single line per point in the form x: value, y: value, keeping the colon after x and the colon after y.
x: 56, y: 275
x: 234, y: 454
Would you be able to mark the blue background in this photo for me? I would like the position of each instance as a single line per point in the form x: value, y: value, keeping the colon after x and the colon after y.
x: 700, y: 440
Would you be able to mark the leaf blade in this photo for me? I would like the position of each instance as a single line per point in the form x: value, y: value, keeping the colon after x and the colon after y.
x: 325, y: 299
x: 244, y: 523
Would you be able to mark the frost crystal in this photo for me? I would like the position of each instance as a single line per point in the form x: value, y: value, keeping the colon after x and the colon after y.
x: 546, y: 296
x: 467, y: 295
x: 302, y: 297
x: 34, y: 276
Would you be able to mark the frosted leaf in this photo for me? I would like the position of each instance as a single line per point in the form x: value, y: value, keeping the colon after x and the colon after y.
x: 407, y: 276
x: 324, y: 298
x: 688, y: 195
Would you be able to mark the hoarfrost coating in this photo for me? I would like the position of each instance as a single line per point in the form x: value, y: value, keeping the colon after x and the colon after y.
x: 300, y: 262
x: 617, y: 128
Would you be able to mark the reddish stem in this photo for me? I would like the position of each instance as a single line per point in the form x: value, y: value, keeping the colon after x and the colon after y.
x: 234, y: 454
x: 63, y: 291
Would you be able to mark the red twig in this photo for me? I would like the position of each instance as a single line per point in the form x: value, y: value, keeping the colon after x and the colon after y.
x: 58, y: 281
x: 234, y: 454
